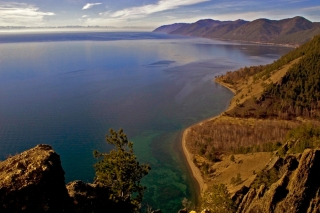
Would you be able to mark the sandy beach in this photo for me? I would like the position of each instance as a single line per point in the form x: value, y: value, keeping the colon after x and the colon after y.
x: 195, y: 170
x: 228, y: 86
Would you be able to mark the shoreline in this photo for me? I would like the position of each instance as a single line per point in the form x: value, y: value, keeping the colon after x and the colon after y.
x: 196, y: 173
x: 226, y: 86
x: 241, y: 41
x: 189, y: 157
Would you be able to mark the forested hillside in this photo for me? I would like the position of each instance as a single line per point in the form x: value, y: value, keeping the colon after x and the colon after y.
x: 296, y: 94
x: 269, y: 101
x: 291, y: 31
x: 252, y: 156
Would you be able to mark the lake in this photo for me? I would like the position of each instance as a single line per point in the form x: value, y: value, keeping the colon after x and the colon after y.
x: 67, y: 89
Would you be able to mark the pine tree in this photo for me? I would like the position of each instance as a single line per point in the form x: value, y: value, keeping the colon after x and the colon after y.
x: 120, y: 171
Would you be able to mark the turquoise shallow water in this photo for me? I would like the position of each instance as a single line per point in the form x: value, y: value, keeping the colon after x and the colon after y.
x: 68, y: 89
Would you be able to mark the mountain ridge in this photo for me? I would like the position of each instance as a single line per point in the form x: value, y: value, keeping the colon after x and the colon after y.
x: 291, y: 31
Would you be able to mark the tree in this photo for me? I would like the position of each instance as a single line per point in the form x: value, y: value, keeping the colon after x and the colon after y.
x: 232, y: 158
x: 120, y: 171
x: 187, y: 204
x: 217, y: 200
x: 236, y: 180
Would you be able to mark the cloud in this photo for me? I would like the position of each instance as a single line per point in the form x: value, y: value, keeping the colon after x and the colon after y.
x: 88, y: 6
x: 293, y: 1
x: 231, y: 4
x: 314, y: 8
x: 133, y: 15
x: 162, y: 5
x: 105, y: 13
x: 275, y: 14
x: 17, y: 14
x: 85, y: 16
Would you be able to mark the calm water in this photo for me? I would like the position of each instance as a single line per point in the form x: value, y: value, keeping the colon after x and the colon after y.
x: 69, y: 89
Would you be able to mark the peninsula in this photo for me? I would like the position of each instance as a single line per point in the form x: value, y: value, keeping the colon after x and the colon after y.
x: 260, y: 147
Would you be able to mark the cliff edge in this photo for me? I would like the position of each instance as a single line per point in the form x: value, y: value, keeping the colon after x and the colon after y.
x: 297, y: 190
x: 33, y: 181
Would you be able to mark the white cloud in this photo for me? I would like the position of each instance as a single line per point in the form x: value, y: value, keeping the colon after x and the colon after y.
x: 314, y: 8
x: 105, y: 13
x: 250, y: 16
x: 17, y: 14
x: 134, y: 14
x: 293, y: 1
x: 231, y: 4
x: 88, y: 6
x: 162, y: 5
x: 85, y: 16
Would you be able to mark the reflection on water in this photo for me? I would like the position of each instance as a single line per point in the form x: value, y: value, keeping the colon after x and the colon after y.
x: 67, y: 90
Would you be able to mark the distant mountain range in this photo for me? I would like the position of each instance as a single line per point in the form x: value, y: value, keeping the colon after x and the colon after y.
x: 292, y: 31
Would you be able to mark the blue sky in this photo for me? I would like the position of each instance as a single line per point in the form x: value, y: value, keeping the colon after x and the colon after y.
x: 148, y: 13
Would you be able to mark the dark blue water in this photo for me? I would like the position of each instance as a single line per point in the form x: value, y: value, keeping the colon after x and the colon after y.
x: 69, y: 89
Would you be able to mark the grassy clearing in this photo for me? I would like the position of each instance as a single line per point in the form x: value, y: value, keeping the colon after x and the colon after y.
x: 245, y: 164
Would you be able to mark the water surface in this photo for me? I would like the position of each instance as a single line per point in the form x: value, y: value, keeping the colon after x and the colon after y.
x: 69, y: 89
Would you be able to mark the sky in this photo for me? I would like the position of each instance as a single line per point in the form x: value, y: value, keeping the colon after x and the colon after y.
x: 147, y: 13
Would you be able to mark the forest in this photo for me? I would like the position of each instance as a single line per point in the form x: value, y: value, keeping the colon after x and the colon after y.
x: 237, y: 136
x: 261, y: 123
x: 296, y: 94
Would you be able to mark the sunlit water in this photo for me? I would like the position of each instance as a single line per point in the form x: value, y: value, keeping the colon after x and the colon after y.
x: 69, y: 89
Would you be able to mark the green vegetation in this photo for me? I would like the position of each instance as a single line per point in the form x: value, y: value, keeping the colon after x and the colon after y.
x: 187, y: 204
x: 242, y: 74
x: 285, y: 94
x: 121, y: 173
x: 303, y: 137
x: 217, y: 199
x: 237, y: 136
x: 296, y: 94
x: 266, y: 178
x: 264, y: 72
x: 266, y: 147
x: 232, y: 158
x: 236, y: 180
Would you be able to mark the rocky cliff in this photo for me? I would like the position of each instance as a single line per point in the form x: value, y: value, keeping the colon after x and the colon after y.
x: 33, y: 181
x: 297, y: 190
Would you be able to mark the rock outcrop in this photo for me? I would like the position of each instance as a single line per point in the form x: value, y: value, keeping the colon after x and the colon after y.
x: 88, y: 197
x: 33, y: 181
x: 297, y: 190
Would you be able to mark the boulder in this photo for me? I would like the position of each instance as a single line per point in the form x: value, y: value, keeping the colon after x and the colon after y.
x: 33, y: 181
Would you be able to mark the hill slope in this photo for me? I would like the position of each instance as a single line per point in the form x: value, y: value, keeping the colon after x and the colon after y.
x: 291, y: 31
x: 295, y: 92
x: 274, y: 115
x: 170, y: 28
